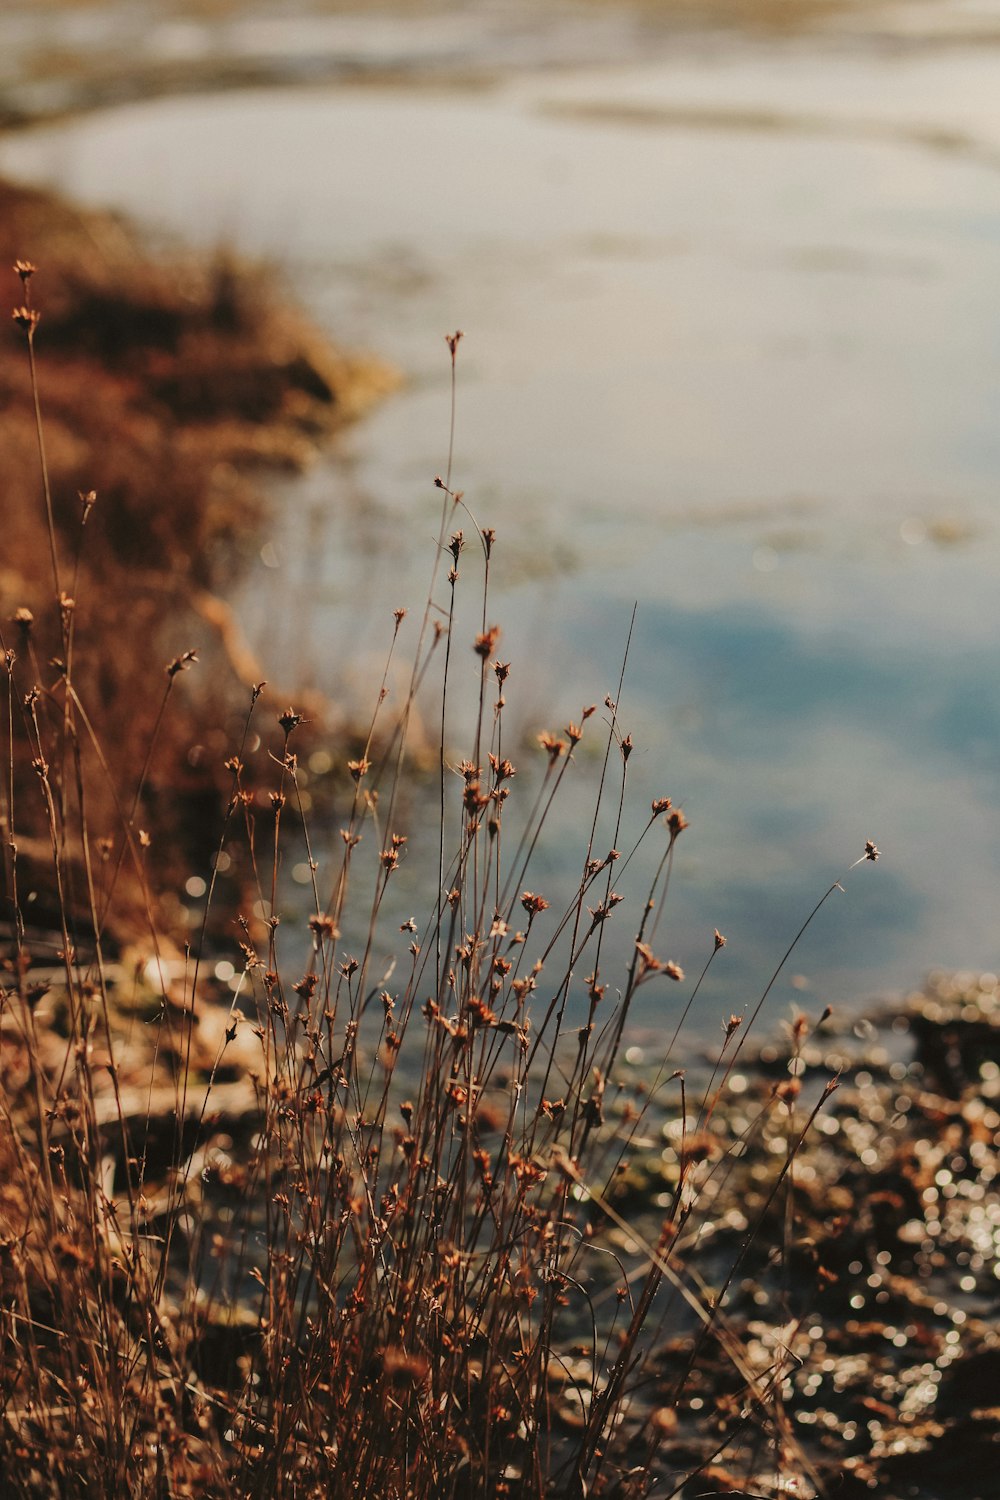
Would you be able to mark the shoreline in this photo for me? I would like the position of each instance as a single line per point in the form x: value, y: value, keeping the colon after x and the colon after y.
x: 170, y: 386
x: 864, y: 1274
x: 429, y: 45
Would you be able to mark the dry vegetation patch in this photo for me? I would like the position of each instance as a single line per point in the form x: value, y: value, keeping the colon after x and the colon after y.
x: 168, y: 384
x: 393, y: 1212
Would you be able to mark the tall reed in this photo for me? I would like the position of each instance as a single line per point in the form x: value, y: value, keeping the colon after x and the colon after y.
x: 355, y: 1230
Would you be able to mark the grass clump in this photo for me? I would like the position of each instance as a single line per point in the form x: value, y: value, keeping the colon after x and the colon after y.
x: 350, y: 1216
x: 173, y: 387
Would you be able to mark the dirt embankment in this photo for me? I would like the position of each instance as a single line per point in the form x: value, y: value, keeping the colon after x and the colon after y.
x: 167, y: 387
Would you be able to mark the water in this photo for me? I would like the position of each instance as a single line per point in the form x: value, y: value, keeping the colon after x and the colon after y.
x: 731, y: 353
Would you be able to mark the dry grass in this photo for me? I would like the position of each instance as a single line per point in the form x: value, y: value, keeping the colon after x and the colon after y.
x: 171, y: 384
x: 344, y: 1232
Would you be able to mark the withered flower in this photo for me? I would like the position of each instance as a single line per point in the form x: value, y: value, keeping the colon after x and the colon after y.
x: 484, y: 644
x: 26, y: 318
x: 323, y: 926
x: 553, y: 746
x: 181, y: 663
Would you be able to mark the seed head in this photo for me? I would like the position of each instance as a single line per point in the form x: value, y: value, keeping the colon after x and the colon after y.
x: 503, y: 769
x: 484, y: 644
x: 870, y: 851
x: 552, y: 745
x: 650, y: 963
x: 601, y: 912
x: 26, y: 318
x: 181, y: 663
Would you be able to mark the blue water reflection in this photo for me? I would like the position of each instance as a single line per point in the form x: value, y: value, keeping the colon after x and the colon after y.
x: 733, y: 355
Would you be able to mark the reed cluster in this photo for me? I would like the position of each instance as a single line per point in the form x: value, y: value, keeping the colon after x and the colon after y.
x: 350, y: 1222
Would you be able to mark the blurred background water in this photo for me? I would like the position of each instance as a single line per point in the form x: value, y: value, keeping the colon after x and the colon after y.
x: 727, y: 275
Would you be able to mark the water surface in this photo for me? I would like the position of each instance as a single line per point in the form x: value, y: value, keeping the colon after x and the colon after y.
x: 731, y: 353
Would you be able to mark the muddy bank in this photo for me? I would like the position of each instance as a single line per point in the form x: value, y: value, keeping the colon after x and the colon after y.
x: 853, y: 1252
x: 845, y: 1260
x: 169, y: 387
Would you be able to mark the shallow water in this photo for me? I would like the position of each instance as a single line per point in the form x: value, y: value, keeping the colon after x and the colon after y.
x: 731, y: 352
